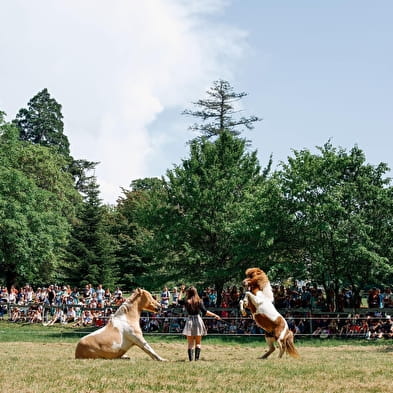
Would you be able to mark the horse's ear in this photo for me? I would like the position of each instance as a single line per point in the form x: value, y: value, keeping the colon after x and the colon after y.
x: 138, y: 290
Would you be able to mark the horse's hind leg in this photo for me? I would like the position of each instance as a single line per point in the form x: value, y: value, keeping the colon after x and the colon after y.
x: 281, y: 345
x: 270, y: 342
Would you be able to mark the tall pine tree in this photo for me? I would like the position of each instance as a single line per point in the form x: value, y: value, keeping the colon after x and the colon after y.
x: 91, y: 252
x: 218, y: 111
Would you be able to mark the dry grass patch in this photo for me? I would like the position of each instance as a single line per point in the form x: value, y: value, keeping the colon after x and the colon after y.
x: 51, y: 367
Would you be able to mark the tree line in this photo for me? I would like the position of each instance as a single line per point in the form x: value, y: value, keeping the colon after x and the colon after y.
x: 325, y: 216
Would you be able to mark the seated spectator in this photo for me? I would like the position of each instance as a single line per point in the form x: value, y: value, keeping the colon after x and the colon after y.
x: 175, y: 326
x: 71, y: 315
x: 232, y: 327
x: 36, y: 315
x: 58, y: 317
x: 387, y: 327
x: 15, y: 314
x: 87, y: 318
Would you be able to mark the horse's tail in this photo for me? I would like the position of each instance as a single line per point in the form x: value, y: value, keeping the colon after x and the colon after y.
x: 290, y: 346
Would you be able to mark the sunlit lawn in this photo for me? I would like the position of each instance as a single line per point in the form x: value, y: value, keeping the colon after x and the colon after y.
x: 42, y: 360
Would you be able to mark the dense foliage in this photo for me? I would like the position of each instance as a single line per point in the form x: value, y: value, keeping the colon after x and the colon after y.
x: 324, y: 216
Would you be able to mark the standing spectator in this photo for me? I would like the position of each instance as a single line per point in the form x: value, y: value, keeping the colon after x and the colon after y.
x: 165, y: 295
x: 107, y: 296
x: 373, y: 298
x: 182, y: 292
x: 175, y: 296
x: 212, y: 298
x: 306, y: 297
x: 87, y: 293
x: 234, y: 297
x: 51, y: 295
x: 13, y: 295
x: 194, y: 328
x: 93, y: 302
x: 74, y: 295
x: 387, y: 298
x: 205, y: 297
x: 100, y: 292
x: 118, y: 293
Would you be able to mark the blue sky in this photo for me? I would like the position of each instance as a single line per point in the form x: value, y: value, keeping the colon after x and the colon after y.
x: 319, y: 70
x: 123, y: 72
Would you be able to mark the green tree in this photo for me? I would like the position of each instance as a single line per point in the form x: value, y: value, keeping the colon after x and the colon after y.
x: 91, y: 251
x: 36, y: 206
x: 196, y: 227
x: 338, y: 217
x: 218, y: 111
x: 42, y: 123
x: 135, y: 217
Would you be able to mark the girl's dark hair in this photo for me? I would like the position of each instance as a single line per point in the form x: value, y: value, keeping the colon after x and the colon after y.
x: 193, y: 299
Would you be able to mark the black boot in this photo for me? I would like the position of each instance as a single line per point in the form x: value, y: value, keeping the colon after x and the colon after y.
x: 197, y: 353
x: 190, y: 354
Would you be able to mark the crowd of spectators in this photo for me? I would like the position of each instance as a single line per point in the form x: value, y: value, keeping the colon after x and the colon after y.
x: 94, y: 306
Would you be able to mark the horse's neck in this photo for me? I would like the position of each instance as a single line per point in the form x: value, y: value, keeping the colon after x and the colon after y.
x: 267, y: 291
x: 131, y: 310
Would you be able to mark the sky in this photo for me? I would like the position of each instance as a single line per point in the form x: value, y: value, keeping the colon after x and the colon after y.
x: 124, y: 71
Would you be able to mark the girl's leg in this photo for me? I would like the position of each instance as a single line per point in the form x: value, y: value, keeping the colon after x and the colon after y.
x: 198, y: 340
x: 190, y: 346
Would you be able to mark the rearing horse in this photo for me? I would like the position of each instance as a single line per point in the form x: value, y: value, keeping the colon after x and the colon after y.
x: 259, y: 300
x: 121, y: 332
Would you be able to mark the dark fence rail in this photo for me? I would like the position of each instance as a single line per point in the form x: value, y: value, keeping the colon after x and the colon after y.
x: 351, y: 323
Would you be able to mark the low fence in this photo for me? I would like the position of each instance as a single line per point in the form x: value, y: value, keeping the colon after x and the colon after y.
x: 352, y: 323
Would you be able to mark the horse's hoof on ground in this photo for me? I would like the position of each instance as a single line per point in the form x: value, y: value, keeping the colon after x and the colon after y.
x: 126, y: 357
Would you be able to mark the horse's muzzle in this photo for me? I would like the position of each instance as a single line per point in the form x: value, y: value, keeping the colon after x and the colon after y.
x: 245, y: 282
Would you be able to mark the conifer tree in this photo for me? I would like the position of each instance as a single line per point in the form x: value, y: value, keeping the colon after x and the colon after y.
x: 218, y: 111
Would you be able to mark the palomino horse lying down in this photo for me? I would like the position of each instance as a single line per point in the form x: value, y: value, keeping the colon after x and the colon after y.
x: 121, y: 332
x: 265, y: 314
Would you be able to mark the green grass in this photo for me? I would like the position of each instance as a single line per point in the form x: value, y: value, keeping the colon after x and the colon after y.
x: 39, y: 359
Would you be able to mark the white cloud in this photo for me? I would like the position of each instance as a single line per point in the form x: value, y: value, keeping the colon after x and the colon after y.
x: 115, y: 66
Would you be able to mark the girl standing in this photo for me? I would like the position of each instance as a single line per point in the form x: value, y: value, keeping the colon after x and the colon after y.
x: 194, y: 328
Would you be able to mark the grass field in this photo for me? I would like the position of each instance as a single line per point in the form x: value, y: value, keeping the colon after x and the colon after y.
x: 37, y: 359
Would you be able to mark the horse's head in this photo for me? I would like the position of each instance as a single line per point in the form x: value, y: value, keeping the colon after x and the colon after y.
x: 148, y: 303
x: 256, y: 279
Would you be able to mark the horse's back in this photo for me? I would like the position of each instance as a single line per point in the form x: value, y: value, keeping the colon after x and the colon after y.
x: 103, y: 343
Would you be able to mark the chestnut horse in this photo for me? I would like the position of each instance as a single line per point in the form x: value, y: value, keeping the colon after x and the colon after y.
x: 121, y: 332
x: 265, y: 314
